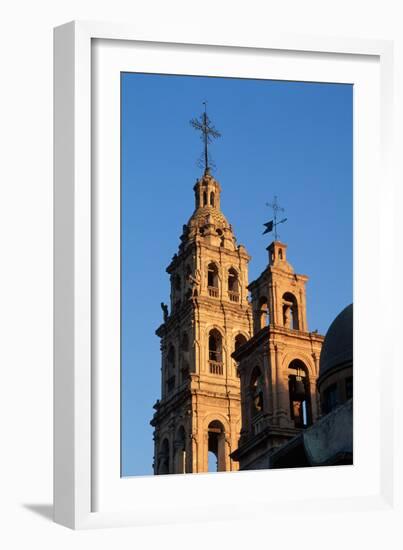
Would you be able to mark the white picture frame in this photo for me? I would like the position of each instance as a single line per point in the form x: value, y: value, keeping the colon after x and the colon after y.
x: 88, y: 490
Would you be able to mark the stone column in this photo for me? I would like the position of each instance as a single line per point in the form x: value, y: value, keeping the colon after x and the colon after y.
x: 271, y: 304
x: 203, y: 452
x: 225, y: 445
x: 283, y: 415
x: 302, y: 311
x: 270, y: 366
x: 195, y: 452
x: 277, y: 300
x: 315, y: 398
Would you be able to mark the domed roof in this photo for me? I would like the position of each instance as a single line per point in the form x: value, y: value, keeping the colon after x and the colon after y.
x: 207, y: 214
x: 337, y: 349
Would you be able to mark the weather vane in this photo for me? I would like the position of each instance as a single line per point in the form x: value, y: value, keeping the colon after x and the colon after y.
x: 272, y: 224
x: 208, y: 132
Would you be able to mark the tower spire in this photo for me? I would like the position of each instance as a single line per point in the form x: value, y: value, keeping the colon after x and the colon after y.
x: 208, y: 132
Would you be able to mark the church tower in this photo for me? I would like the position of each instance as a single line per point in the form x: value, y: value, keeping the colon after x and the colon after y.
x: 200, y: 411
x: 279, y: 365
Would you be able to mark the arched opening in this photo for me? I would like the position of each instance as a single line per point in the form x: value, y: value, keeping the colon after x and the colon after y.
x: 240, y: 340
x: 212, y: 198
x: 216, y: 447
x: 171, y: 370
x: 256, y: 391
x: 233, y: 285
x: 215, y: 352
x: 204, y: 198
x: 280, y: 254
x: 290, y: 311
x: 300, y: 394
x: 212, y: 280
x: 263, y: 312
x: 163, y: 458
x: 180, y: 451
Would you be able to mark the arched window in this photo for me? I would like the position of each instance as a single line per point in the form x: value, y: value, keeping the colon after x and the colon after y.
x: 300, y: 395
x: 290, y: 311
x: 280, y: 254
x: 212, y: 199
x: 180, y: 451
x: 163, y: 458
x: 212, y: 280
x: 263, y: 312
x: 256, y: 391
x: 204, y: 198
x: 215, y: 352
x: 216, y: 447
x: 233, y: 285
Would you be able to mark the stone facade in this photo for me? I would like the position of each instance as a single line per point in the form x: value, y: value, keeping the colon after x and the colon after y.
x: 279, y: 365
x: 210, y: 316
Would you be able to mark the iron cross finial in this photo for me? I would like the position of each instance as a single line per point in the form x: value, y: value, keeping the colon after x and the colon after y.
x: 208, y: 132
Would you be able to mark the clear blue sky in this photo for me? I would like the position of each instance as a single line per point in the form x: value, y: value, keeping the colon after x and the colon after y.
x: 289, y: 139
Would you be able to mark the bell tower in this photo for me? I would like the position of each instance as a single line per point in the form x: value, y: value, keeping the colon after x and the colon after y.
x: 279, y: 365
x: 199, y: 413
x: 279, y: 298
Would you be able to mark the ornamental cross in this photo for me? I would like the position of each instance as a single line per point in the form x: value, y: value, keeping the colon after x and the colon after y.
x: 208, y: 132
x: 272, y: 224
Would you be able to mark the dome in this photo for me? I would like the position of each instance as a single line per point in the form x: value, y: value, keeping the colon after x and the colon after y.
x: 207, y: 214
x: 337, y: 349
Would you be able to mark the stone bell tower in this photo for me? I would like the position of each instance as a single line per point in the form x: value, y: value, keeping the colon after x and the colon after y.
x: 279, y: 365
x: 200, y: 407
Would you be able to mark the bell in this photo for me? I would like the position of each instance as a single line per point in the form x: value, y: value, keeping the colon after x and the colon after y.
x: 299, y: 389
